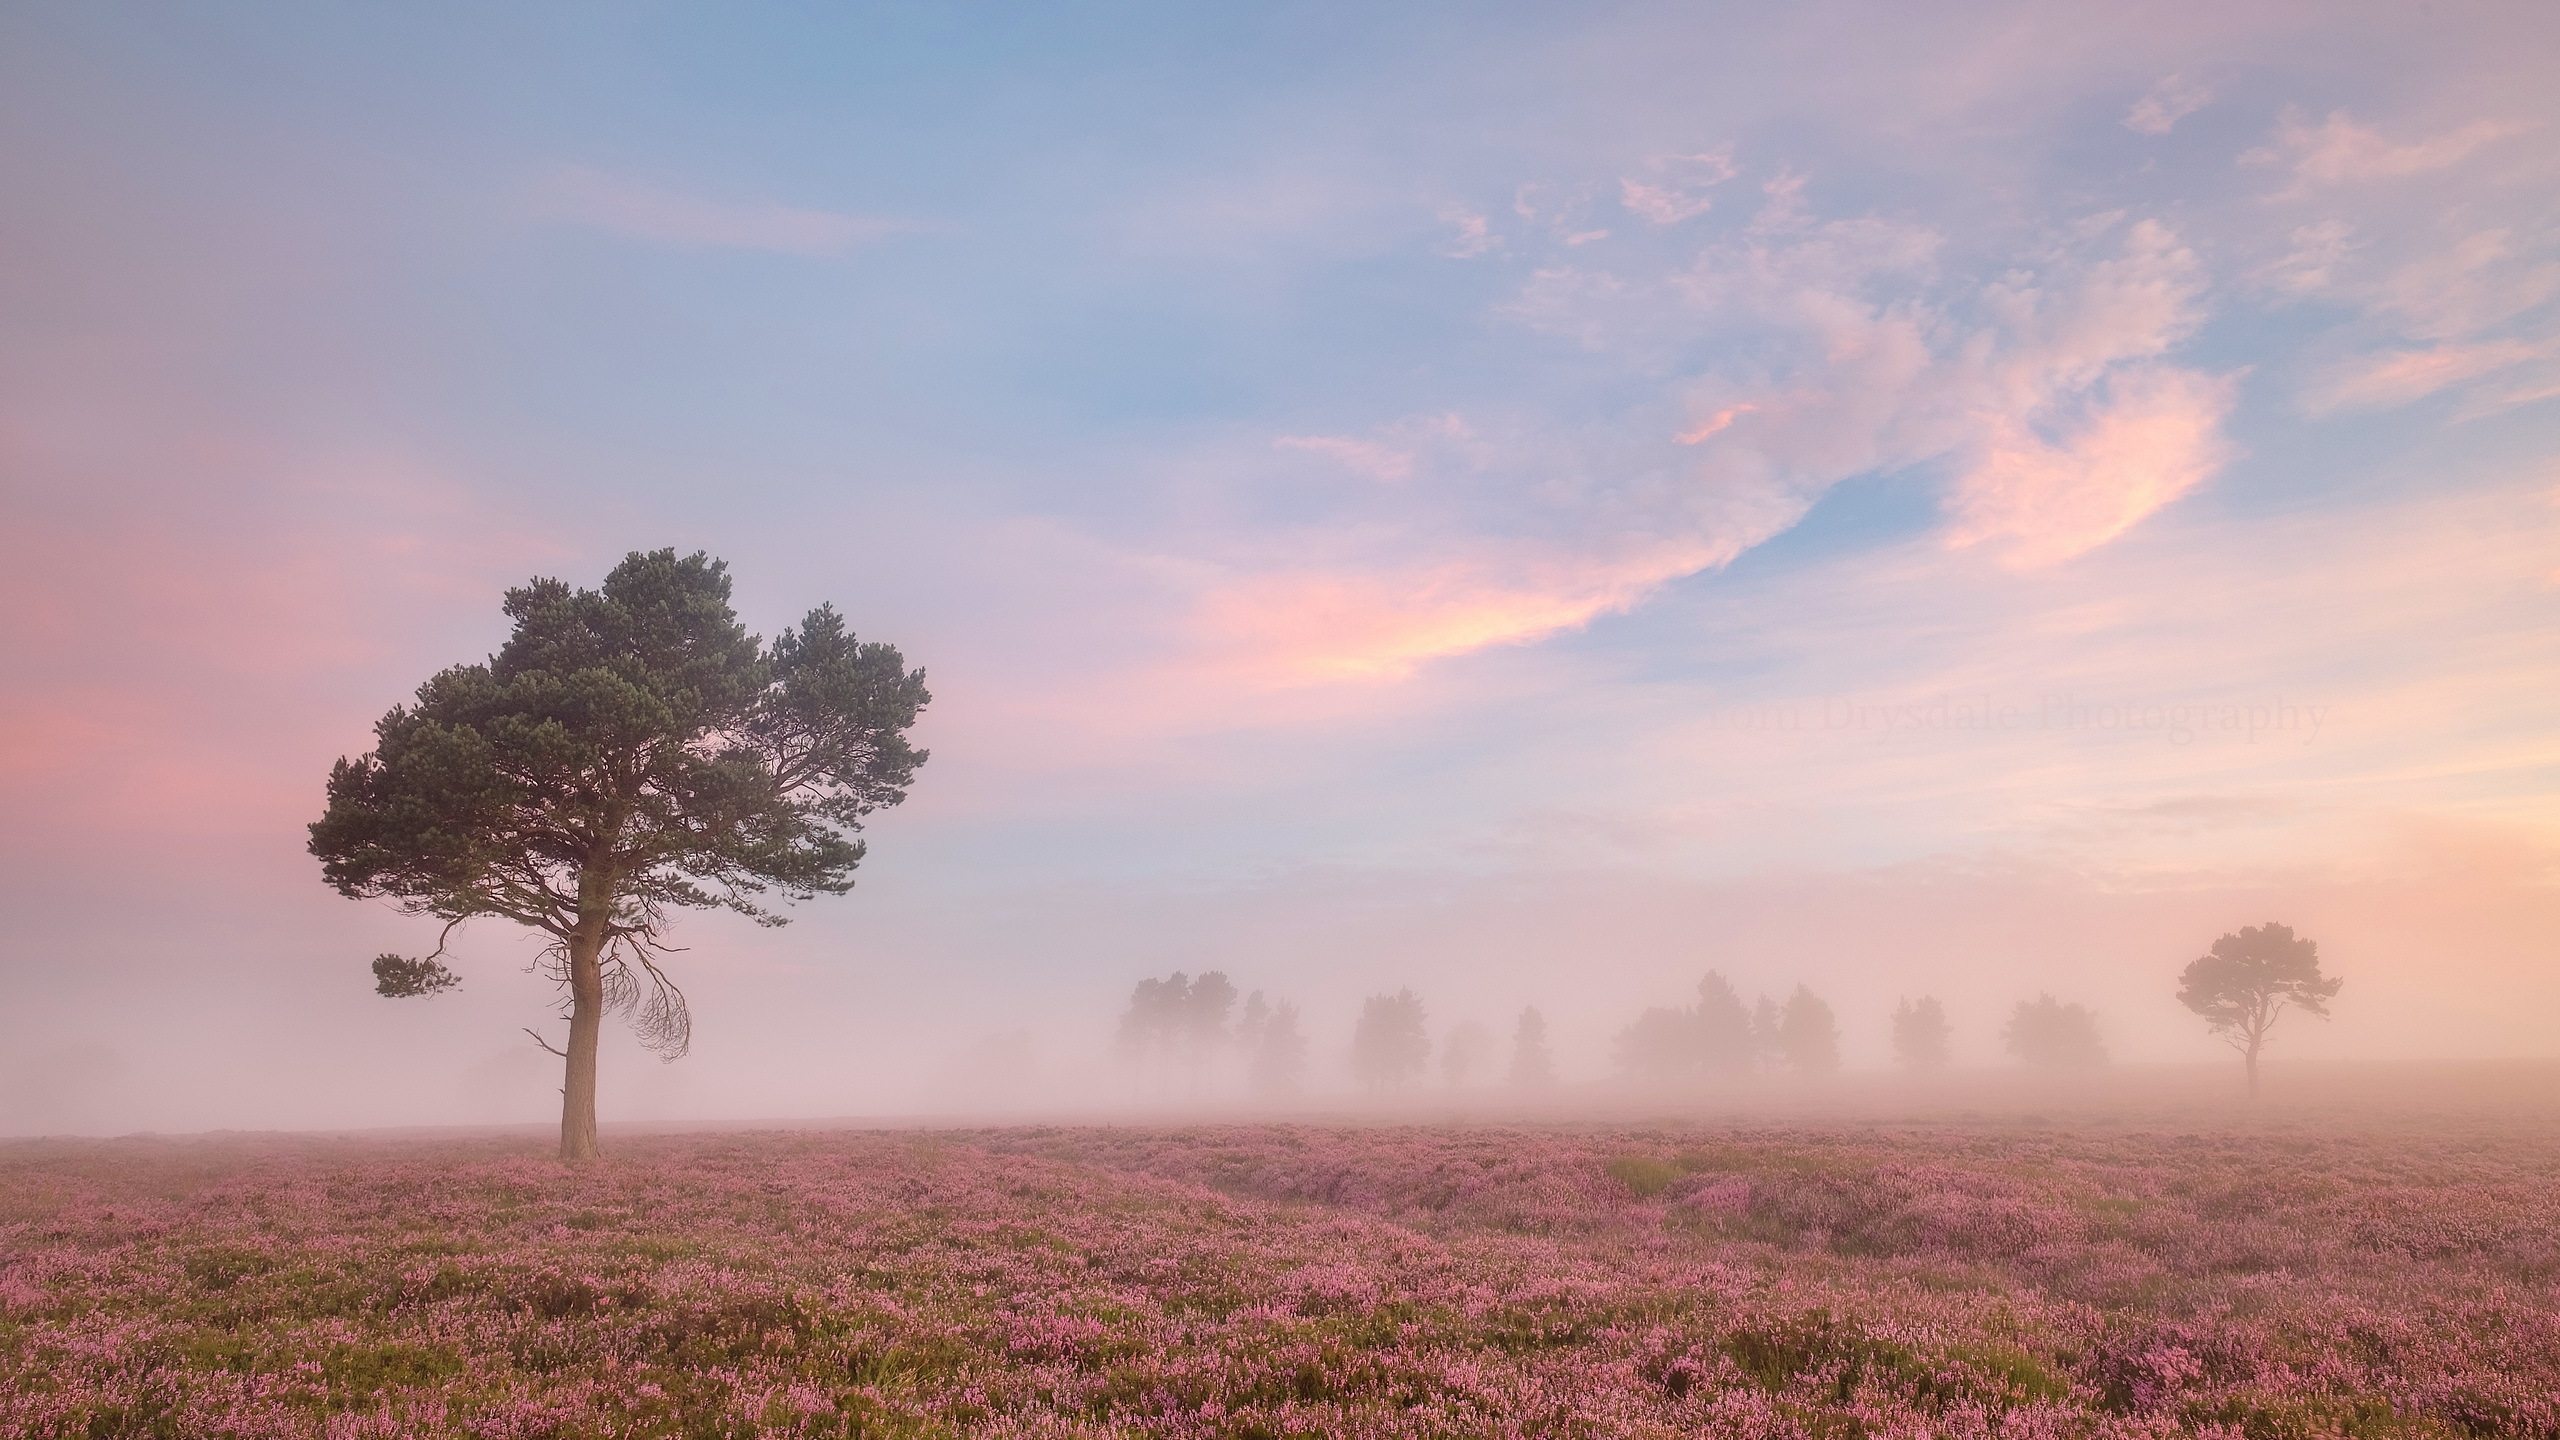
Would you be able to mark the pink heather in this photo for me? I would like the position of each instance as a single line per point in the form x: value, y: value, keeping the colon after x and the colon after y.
x: 1285, y: 1281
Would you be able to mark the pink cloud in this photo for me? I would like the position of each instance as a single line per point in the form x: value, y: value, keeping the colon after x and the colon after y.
x: 1361, y: 457
x: 2157, y: 437
x: 2339, y: 151
x: 1302, y: 627
x: 2169, y: 102
x: 1399, y: 450
x: 2377, y: 382
x: 1475, y: 233
x: 2319, y: 252
x: 2532, y: 392
x: 2135, y: 305
x: 693, y: 223
x: 1682, y: 191
x: 1717, y: 423
x: 1661, y: 204
x: 1883, y: 379
x: 2477, y: 281
x: 1897, y: 384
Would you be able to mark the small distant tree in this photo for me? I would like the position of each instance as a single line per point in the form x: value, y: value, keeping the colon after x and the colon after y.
x: 1767, y: 1045
x: 2046, y: 1033
x: 1533, y: 1067
x: 1722, y: 1028
x: 2249, y: 979
x: 1279, y: 1055
x: 1920, y: 1034
x: 630, y: 752
x: 1152, y: 1027
x: 1203, y: 1025
x: 1391, y: 1046
x: 1807, y: 1034
x: 1660, y: 1045
x: 1464, y: 1054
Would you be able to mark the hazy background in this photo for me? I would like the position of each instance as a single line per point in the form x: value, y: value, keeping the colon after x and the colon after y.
x: 1525, y: 502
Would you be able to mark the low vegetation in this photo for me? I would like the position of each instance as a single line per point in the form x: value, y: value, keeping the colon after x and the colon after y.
x: 1274, y: 1281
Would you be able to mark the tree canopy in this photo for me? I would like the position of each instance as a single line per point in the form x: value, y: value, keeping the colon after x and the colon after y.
x: 1533, y: 1066
x: 631, y: 751
x: 1713, y: 1037
x: 1278, y: 1061
x: 2052, y: 1035
x: 1390, y: 1046
x: 1180, y: 1018
x: 1807, y: 1034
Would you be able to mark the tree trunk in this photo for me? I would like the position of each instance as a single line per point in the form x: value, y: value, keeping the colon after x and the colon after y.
x: 586, y: 1025
x: 2251, y: 1055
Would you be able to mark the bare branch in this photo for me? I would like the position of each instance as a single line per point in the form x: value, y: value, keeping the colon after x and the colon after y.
x: 547, y: 1045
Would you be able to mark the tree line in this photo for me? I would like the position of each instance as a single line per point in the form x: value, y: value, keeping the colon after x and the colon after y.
x: 1176, y: 1027
x: 2240, y: 986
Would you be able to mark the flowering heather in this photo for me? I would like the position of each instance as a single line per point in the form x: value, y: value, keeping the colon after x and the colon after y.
x: 1276, y: 1281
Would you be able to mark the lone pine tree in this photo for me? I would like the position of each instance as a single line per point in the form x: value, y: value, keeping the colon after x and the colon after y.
x: 630, y: 752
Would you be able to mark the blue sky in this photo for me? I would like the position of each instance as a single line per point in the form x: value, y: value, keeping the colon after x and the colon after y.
x: 1423, y: 494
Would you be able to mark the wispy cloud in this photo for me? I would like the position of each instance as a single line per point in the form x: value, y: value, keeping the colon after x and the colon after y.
x: 2169, y: 102
x: 1679, y: 186
x: 1313, y: 626
x: 2339, y: 151
x: 2312, y: 261
x: 1361, y: 457
x: 690, y: 222
x: 2046, y: 392
x: 2479, y: 280
x: 1474, y: 233
x: 2375, y: 382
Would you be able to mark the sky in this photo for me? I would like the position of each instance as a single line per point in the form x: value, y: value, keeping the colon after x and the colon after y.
x: 1525, y: 502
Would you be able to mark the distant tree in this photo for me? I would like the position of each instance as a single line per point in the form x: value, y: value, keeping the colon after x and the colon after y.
x: 629, y: 752
x: 1807, y: 1034
x: 2250, y: 978
x: 1768, y: 1046
x: 1920, y: 1034
x: 1715, y: 1037
x: 1722, y: 1028
x: 1151, y: 1028
x: 2048, y: 1034
x: 999, y: 1070
x: 1391, y: 1045
x: 1662, y: 1044
x: 1142, y: 1025
x: 1257, y: 1014
x: 1279, y: 1056
x: 1203, y: 1026
x: 1464, y: 1054
x: 1178, y: 1021
x: 1532, y: 1066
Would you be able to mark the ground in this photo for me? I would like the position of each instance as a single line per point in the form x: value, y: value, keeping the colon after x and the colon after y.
x: 1984, y: 1277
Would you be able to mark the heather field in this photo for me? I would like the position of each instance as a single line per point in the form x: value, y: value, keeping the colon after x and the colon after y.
x: 1982, y: 1278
